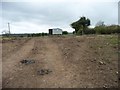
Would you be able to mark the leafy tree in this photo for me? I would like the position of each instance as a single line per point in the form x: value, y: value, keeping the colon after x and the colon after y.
x: 90, y: 31
x: 76, y: 26
x: 79, y: 32
x: 82, y: 23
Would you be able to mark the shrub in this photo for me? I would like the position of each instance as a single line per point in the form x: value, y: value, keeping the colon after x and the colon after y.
x: 45, y: 34
x: 64, y: 32
x: 107, y: 29
x: 89, y: 31
x: 73, y: 32
x: 42, y: 34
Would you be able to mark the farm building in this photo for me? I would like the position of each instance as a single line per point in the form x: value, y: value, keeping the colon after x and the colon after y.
x: 55, y: 31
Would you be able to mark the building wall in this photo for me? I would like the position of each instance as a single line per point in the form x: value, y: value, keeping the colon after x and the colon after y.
x: 57, y: 31
x: 50, y: 31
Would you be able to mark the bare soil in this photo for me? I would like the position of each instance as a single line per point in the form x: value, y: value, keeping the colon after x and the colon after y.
x: 74, y: 61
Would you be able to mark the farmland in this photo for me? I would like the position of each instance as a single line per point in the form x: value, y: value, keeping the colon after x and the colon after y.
x: 72, y: 61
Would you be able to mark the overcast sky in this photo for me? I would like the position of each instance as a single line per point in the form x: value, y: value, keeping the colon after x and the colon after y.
x: 36, y: 16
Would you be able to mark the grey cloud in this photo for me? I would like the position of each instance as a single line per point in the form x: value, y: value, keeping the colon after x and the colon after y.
x: 50, y: 14
x: 60, y: 13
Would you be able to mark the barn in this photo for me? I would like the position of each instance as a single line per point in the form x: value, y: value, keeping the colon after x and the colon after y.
x: 55, y: 31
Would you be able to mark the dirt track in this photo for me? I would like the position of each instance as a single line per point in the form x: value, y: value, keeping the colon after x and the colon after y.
x: 75, y: 62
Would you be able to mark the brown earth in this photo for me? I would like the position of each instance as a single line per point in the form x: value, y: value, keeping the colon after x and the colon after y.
x: 75, y: 62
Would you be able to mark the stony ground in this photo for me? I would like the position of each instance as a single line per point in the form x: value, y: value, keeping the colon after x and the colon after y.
x: 60, y: 62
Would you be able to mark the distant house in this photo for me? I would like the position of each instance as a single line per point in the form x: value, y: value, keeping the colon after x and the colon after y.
x: 55, y: 31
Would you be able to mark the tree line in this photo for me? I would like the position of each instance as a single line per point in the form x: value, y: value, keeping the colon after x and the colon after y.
x: 81, y: 27
x: 37, y: 34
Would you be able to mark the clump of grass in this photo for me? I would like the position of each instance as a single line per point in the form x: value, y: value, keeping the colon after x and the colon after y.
x: 6, y: 38
x: 113, y: 40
